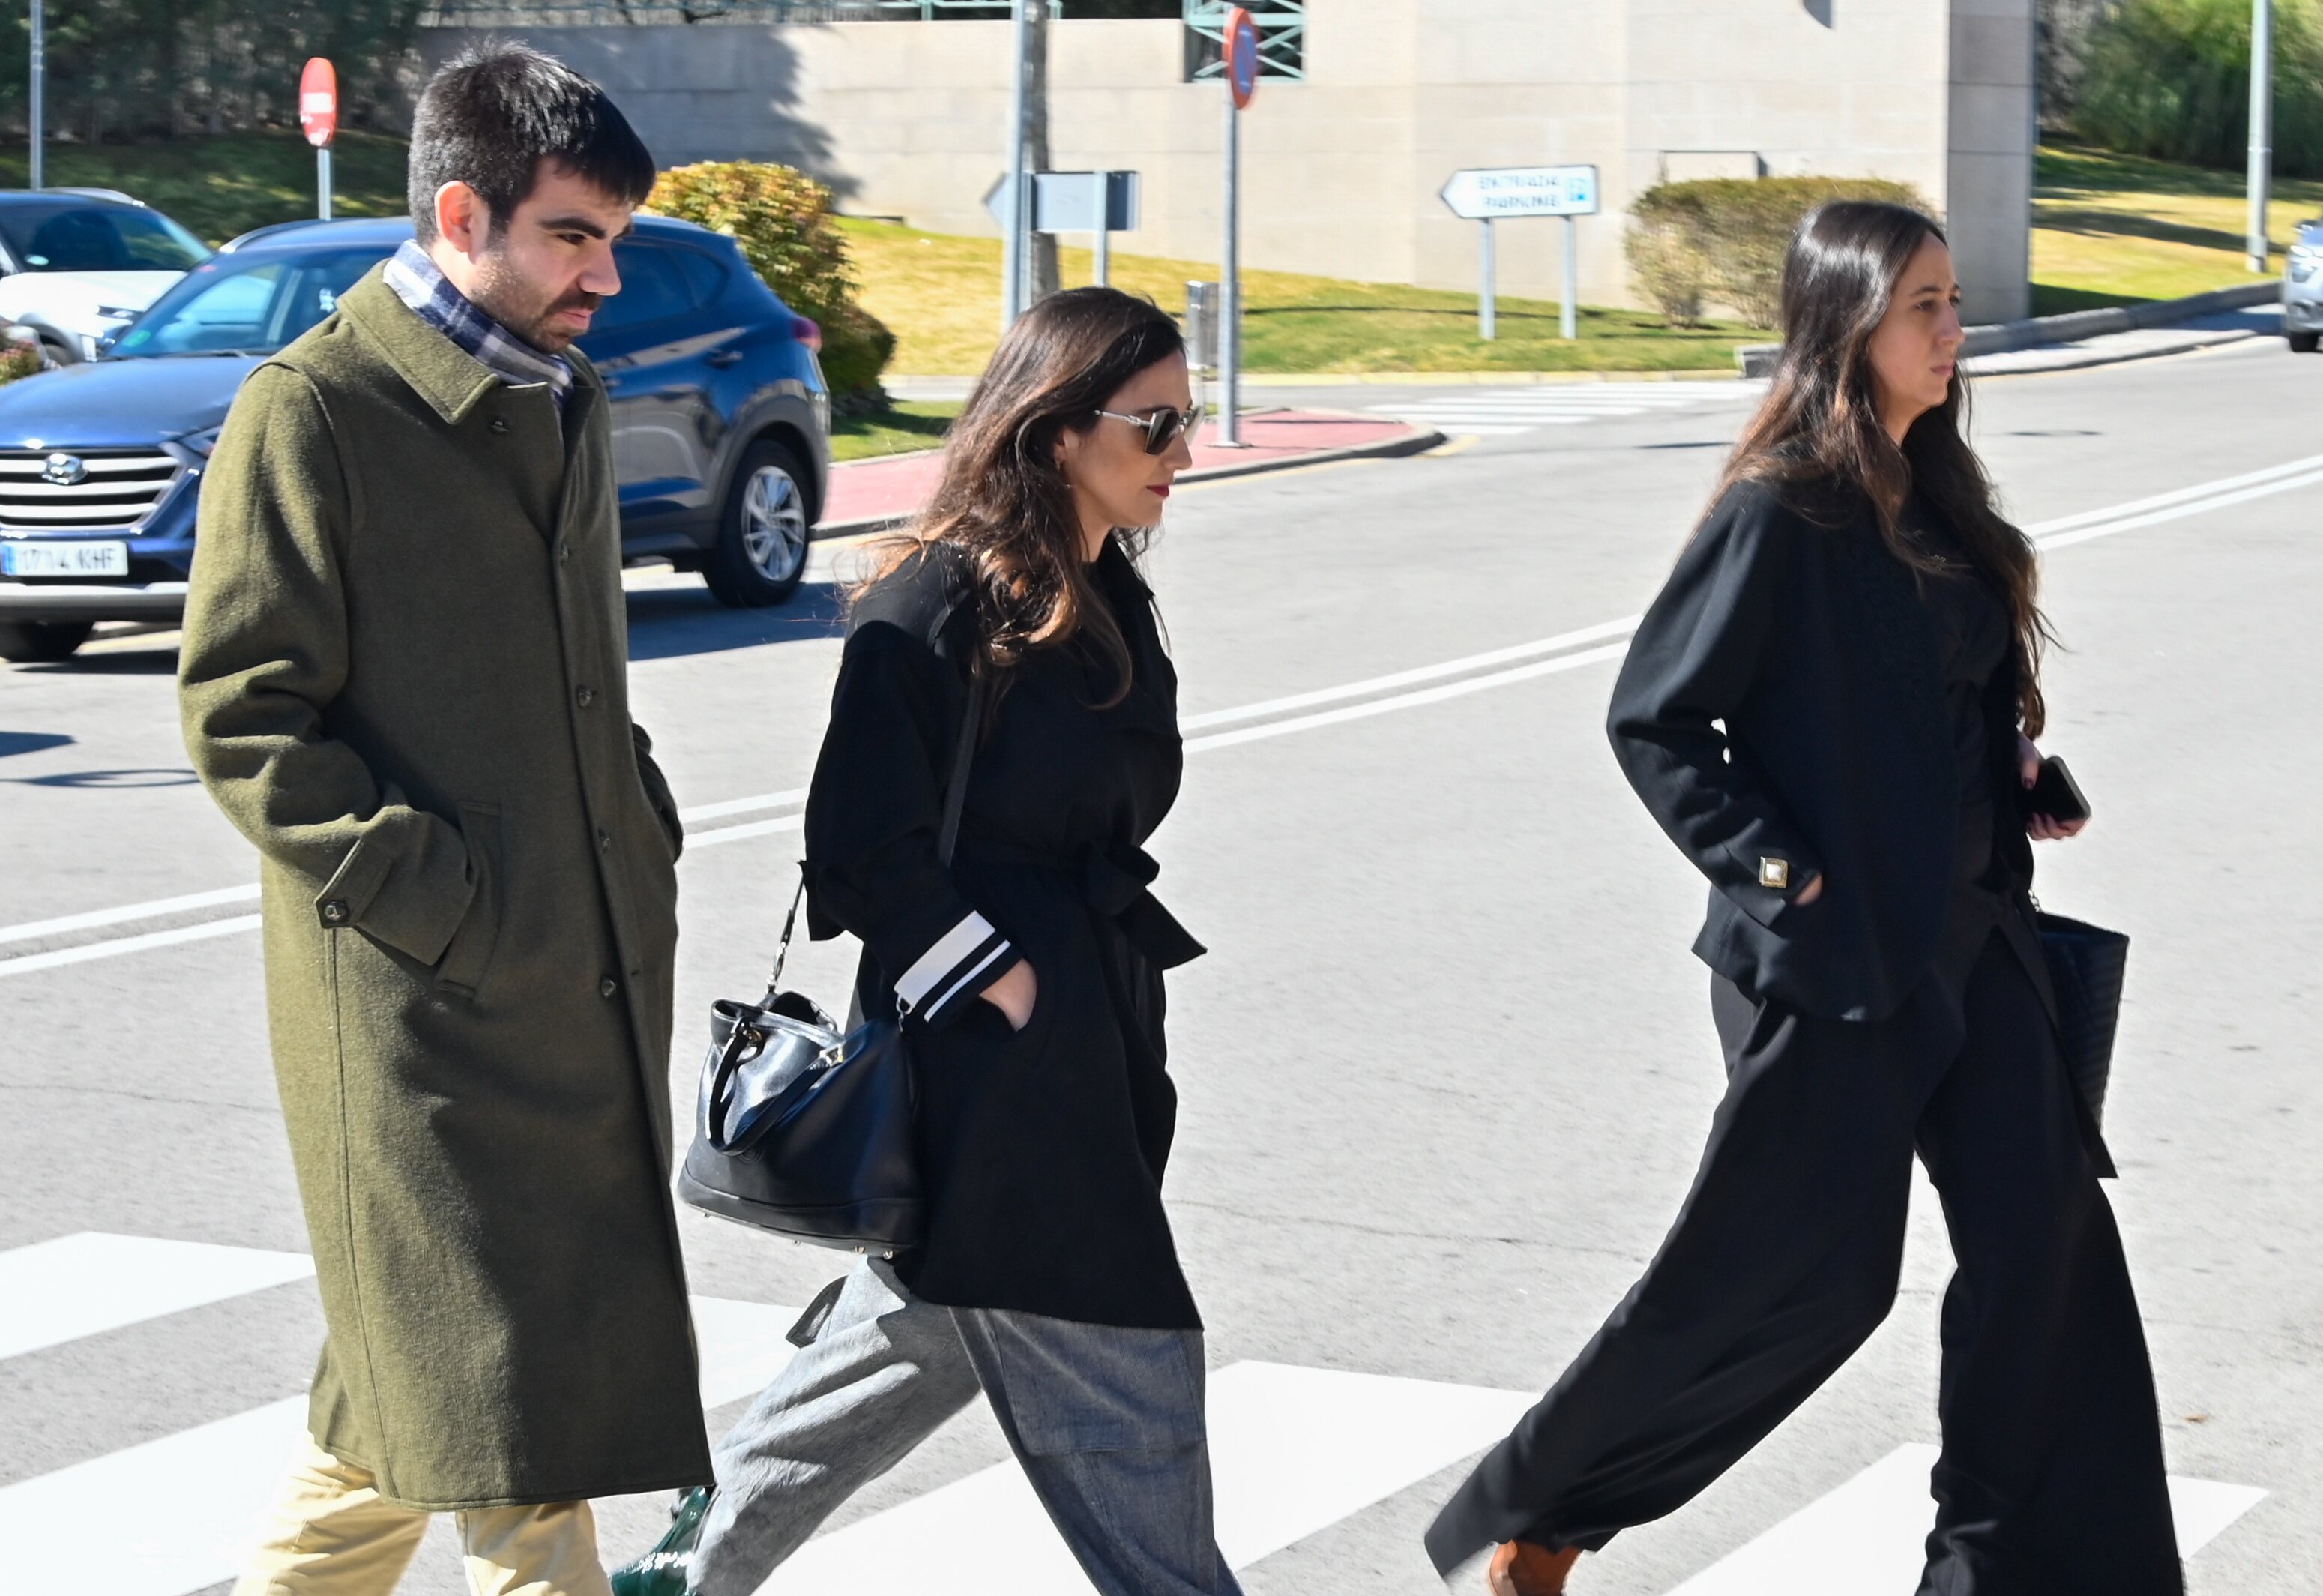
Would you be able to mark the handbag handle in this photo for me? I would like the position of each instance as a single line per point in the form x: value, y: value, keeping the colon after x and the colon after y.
x: 947, y: 837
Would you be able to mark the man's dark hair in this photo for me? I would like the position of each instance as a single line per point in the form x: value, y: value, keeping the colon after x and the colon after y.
x: 490, y: 116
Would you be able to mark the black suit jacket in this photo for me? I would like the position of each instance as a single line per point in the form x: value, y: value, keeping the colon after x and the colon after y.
x: 1782, y: 713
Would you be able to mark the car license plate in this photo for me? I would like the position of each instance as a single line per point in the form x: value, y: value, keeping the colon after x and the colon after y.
x: 64, y: 559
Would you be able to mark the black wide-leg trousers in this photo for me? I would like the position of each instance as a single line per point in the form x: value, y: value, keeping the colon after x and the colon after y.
x: 1785, y: 1257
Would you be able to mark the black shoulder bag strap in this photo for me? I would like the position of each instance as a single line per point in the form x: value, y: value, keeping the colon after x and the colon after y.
x: 947, y: 837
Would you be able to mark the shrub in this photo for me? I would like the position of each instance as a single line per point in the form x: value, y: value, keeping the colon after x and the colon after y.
x: 1721, y: 239
x: 2171, y: 79
x: 20, y: 360
x: 782, y: 220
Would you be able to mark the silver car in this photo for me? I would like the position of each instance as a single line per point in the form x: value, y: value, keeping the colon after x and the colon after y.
x: 2302, y: 288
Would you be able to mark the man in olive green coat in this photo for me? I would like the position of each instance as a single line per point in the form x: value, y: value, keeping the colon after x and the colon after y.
x: 404, y: 679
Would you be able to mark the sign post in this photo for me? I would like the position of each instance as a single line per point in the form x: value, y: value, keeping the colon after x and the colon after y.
x: 1013, y: 229
x: 1242, y: 82
x: 1487, y: 194
x: 318, y: 119
x: 34, y: 110
x: 1486, y: 306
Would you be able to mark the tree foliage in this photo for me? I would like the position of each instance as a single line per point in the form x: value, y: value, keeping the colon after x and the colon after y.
x: 1722, y: 240
x: 132, y: 68
x: 2170, y: 78
x: 782, y: 219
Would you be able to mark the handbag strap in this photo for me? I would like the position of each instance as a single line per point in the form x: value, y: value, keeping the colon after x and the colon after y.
x: 947, y: 837
x: 963, y: 755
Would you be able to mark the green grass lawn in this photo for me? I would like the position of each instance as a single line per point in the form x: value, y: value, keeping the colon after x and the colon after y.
x: 218, y: 186
x: 940, y: 293
x: 911, y: 423
x: 2116, y: 229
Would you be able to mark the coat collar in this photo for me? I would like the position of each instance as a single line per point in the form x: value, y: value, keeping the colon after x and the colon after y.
x: 450, y: 379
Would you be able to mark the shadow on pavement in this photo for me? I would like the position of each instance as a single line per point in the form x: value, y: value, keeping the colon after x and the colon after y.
x: 666, y: 623
x: 30, y: 742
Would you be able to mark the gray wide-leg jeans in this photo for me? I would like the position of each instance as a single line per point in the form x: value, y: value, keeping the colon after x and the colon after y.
x: 1107, y: 1423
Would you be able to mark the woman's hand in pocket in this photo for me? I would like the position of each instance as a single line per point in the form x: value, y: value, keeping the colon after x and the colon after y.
x: 1015, y: 994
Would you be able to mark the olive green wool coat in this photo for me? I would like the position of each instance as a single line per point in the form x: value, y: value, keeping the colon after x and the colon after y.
x: 404, y: 679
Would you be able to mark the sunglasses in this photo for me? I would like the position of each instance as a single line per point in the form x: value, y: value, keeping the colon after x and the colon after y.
x: 1163, y: 427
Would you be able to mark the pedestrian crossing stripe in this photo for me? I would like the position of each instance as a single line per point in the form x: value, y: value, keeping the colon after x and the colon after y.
x: 1868, y: 1534
x: 1293, y: 1450
x: 83, y: 1285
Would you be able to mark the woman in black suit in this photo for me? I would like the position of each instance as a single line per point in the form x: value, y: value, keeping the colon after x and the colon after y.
x: 1829, y: 708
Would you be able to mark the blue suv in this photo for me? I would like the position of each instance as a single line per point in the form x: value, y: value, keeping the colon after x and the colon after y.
x: 720, y: 424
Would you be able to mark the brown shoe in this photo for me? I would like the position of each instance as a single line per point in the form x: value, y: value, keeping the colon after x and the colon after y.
x: 1519, y: 1568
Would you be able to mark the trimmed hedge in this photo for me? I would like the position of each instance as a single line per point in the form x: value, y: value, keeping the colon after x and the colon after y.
x: 782, y: 219
x: 2171, y: 79
x: 1721, y: 240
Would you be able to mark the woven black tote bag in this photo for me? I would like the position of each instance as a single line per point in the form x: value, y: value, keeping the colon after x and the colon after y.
x: 2087, y: 965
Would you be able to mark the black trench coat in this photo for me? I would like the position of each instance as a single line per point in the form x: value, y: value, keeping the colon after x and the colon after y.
x: 1044, y: 1149
x: 1781, y: 712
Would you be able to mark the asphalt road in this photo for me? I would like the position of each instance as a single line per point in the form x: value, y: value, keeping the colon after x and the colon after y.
x: 1448, y: 1066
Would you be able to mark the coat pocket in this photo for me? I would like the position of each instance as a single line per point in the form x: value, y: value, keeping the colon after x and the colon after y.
x: 462, y: 969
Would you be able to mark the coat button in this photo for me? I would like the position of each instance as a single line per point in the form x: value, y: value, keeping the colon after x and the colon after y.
x: 608, y: 986
x: 585, y: 696
x: 563, y: 552
x: 605, y: 843
x: 334, y: 911
x: 499, y: 424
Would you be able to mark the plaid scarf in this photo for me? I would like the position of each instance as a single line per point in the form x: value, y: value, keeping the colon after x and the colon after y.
x: 420, y: 283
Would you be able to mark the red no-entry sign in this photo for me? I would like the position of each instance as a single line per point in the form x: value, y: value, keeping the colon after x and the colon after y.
x: 318, y: 102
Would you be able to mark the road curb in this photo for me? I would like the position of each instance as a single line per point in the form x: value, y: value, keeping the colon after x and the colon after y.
x: 2195, y: 341
x: 1415, y: 441
x: 2039, y: 332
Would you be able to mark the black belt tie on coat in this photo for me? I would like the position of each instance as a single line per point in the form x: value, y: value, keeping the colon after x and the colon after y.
x: 1115, y: 884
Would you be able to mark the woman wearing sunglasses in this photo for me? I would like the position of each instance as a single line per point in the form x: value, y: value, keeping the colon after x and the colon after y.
x: 1029, y: 971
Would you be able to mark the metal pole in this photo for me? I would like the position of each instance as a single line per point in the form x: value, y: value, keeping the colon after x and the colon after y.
x: 323, y: 182
x: 1229, y: 430
x: 40, y: 91
x: 1012, y: 248
x: 1567, y: 321
x: 1104, y: 230
x: 1485, y: 307
x: 2261, y: 107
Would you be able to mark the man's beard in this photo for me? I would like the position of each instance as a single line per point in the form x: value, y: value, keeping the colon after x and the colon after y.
x: 517, y: 306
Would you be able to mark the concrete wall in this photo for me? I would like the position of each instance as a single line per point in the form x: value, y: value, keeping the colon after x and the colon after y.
x: 1342, y: 170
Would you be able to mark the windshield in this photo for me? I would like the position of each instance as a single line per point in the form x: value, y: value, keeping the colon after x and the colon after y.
x: 245, y: 305
x: 67, y: 236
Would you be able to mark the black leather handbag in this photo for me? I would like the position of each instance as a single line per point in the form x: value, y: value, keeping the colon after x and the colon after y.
x: 802, y: 1130
x: 2086, y: 965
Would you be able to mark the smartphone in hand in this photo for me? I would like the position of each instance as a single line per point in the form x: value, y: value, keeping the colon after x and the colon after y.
x: 2055, y: 793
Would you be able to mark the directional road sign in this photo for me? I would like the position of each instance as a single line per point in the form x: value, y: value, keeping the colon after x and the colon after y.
x: 1483, y: 194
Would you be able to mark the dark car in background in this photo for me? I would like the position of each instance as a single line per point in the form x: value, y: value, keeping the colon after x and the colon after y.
x: 719, y: 418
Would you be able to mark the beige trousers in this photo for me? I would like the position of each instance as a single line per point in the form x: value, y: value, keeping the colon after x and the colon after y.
x: 328, y: 1534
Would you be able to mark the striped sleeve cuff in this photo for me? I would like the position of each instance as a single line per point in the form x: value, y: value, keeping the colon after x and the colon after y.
x: 964, y: 960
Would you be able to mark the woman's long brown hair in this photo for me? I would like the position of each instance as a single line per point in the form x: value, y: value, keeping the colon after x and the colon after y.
x: 1003, y: 502
x: 1819, y: 428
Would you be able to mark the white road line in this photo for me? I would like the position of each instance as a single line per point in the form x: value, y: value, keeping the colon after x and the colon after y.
x: 781, y: 822
x: 710, y: 812
x: 1406, y: 700
x: 26, y: 964
x: 61, y: 1291
x: 94, y: 918
x: 1868, y: 1534
x: 66, y: 1530
x: 2059, y: 533
x: 1450, y: 667
x: 1293, y: 1451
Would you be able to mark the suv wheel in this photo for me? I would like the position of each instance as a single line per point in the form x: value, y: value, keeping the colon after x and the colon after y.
x: 762, y: 533
x: 2301, y: 343
x: 41, y: 642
